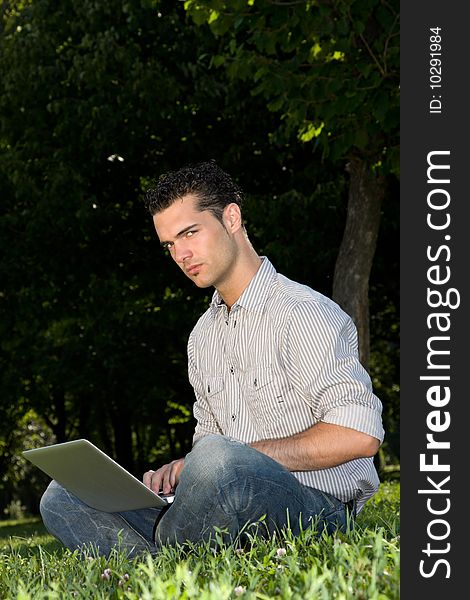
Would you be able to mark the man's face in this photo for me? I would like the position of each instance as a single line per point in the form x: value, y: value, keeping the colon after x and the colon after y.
x: 199, y: 244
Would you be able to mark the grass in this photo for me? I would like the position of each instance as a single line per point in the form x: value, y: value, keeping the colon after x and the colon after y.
x: 361, y: 564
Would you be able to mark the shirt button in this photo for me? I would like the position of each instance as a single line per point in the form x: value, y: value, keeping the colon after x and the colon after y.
x: 231, y: 370
x: 234, y: 417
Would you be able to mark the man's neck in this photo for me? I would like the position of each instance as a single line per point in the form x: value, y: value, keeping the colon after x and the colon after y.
x: 246, y: 270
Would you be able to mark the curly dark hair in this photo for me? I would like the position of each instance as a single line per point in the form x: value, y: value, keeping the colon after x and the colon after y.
x: 213, y: 188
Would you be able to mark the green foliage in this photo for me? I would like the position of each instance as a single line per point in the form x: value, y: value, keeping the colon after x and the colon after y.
x: 330, y: 69
x: 21, y: 484
x: 360, y: 564
x: 305, y: 248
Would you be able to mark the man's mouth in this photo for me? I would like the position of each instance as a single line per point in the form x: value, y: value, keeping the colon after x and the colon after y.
x: 193, y: 269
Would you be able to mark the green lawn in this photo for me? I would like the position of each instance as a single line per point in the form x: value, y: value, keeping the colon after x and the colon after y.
x: 362, y: 564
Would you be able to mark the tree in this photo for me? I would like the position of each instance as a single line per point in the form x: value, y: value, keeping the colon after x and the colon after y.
x: 330, y: 69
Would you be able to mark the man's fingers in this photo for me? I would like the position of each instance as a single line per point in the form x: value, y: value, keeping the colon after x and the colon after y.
x: 153, y: 479
x: 177, y: 467
x: 156, y: 480
x: 147, y: 478
x: 166, y: 478
x: 172, y: 480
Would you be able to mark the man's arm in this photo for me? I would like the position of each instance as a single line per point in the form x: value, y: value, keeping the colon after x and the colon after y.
x: 320, y: 447
x: 320, y: 353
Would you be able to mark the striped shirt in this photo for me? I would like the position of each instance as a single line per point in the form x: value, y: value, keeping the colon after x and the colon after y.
x: 282, y: 359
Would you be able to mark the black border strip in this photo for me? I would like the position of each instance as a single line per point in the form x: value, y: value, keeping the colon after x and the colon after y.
x: 434, y: 272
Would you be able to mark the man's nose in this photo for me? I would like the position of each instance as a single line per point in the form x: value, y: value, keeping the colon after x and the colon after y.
x: 182, y: 251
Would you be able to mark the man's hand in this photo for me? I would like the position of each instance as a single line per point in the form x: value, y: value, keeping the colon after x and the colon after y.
x: 166, y: 478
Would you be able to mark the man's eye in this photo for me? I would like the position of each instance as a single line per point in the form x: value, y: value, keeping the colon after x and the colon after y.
x: 190, y: 233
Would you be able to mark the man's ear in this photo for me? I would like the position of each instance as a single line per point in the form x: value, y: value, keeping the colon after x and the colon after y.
x: 232, y: 217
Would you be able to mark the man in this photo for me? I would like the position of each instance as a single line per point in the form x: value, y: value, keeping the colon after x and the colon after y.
x: 287, y: 424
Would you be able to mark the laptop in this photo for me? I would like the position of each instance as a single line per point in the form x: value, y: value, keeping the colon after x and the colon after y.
x: 95, y: 478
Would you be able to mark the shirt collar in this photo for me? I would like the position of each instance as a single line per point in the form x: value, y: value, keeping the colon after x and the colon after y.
x: 255, y: 295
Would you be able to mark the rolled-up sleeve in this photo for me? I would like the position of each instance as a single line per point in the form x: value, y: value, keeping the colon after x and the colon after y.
x: 321, y: 355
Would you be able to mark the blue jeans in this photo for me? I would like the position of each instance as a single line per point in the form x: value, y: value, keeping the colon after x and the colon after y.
x: 224, y: 484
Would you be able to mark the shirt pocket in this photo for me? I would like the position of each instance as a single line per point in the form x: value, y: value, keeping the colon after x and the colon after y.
x: 266, y: 402
x: 214, y: 390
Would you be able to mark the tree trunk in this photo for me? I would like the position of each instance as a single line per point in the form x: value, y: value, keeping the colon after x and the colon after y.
x: 356, y: 253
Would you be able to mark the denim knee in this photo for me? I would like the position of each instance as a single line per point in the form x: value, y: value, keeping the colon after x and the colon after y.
x: 49, y: 496
x: 213, y: 458
x: 50, y: 505
x: 53, y: 501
